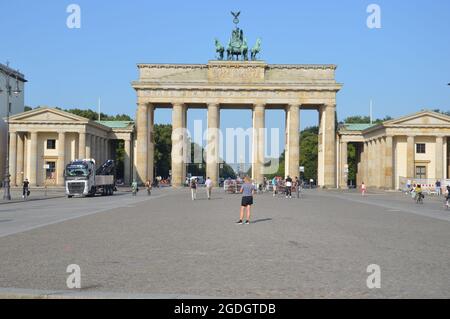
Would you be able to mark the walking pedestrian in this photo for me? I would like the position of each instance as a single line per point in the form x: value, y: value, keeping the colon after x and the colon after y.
x: 288, y: 187
x: 25, y: 188
x: 194, y: 189
x: 247, y: 191
x: 363, y: 189
x: 208, y: 184
x: 274, y: 186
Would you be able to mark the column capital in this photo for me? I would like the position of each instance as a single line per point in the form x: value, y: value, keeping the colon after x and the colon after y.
x: 178, y: 104
x: 259, y: 105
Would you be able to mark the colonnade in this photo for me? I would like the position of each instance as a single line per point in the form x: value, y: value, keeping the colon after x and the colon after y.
x: 25, y: 152
x: 377, y: 166
x: 180, y: 151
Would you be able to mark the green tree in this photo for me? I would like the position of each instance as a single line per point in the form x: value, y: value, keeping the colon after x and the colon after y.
x: 309, y: 139
x: 163, y: 149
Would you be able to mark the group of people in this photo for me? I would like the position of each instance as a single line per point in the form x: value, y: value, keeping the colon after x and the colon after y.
x: 194, y: 183
x: 416, y: 191
x: 285, y: 186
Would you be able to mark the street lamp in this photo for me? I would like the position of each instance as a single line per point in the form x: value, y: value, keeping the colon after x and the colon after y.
x: 9, y: 92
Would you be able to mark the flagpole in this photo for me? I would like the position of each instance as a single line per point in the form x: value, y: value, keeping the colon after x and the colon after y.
x: 99, y: 104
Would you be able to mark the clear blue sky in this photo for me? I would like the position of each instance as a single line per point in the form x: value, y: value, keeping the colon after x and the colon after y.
x: 404, y: 66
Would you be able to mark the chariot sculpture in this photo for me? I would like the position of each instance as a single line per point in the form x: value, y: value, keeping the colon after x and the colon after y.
x: 237, y: 48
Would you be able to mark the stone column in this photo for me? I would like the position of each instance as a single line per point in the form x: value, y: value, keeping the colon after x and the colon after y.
x: 94, y: 151
x: 127, y: 162
x: 178, y: 144
x: 292, y: 141
x: 439, y: 158
x: 33, y: 158
x: 410, y: 157
x: 20, y: 159
x: 82, y: 145
x: 258, y: 143
x: 13, y: 158
x: 330, y: 146
x: 105, y: 150
x: 101, y: 149
x: 366, y: 163
x: 61, y: 158
x: 344, y: 163
x: 142, y: 143
x: 389, y: 163
x: 151, y: 143
x: 382, y: 161
x: 376, y: 162
x: 369, y: 181
x: 88, y: 146
x: 320, y: 158
x: 212, y: 148
x: 186, y: 146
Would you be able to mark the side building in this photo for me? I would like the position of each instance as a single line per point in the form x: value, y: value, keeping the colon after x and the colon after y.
x: 414, y: 147
x: 16, y: 81
x: 44, y: 140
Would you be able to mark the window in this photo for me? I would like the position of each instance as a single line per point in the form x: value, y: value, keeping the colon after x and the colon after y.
x: 421, y: 172
x: 420, y: 149
x: 51, y: 144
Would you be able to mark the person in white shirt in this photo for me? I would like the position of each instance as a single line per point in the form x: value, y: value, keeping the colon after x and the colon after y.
x: 208, y: 185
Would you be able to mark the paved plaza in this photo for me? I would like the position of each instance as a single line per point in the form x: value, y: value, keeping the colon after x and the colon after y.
x: 167, y: 246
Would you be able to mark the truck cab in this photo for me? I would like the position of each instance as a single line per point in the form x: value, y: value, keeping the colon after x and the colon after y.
x: 80, y: 178
x: 83, y: 180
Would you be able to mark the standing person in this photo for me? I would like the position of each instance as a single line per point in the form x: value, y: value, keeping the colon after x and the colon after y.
x: 438, y: 187
x: 247, y: 191
x: 447, y: 197
x: 288, y: 187
x: 408, y: 185
x: 274, y: 186
x: 194, y: 189
x: 208, y: 185
x: 297, y: 186
x: 134, y: 188
x: 363, y: 189
x: 148, y: 186
x: 25, y: 188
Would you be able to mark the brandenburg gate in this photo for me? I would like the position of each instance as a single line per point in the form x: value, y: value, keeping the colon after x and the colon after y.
x: 253, y: 85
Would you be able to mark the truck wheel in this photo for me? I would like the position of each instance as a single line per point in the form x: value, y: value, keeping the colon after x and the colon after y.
x: 69, y: 196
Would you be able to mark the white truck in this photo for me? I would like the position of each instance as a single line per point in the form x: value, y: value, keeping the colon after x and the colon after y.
x: 83, y: 180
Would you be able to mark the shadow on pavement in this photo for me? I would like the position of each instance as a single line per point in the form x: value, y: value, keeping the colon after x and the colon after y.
x: 261, y: 220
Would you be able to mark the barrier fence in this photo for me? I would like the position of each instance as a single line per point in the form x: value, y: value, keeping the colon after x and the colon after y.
x: 427, y: 184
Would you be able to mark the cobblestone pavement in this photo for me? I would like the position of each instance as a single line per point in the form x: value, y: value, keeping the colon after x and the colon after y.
x: 169, y: 246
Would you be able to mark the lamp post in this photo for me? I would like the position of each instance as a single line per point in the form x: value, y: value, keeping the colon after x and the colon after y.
x: 8, y: 74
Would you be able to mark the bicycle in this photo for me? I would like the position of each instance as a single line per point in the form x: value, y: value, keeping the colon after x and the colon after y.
x: 419, y: 198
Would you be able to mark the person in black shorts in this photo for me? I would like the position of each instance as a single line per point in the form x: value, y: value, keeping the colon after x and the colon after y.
x: 25, y: 188
x: 247, y: 191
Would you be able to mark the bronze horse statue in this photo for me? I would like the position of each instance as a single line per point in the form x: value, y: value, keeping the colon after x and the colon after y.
x: 219, y: 50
